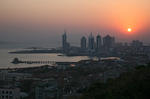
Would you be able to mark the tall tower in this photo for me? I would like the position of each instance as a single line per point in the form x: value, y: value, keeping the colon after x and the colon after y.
x: 91, y: 42
x: 64, y: 40
x: 98, y: 42
x: 83, y: 42
x: 108, y: 42
x: 65, y: 44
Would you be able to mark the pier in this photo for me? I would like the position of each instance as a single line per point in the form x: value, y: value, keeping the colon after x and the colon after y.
x: 17, y: 61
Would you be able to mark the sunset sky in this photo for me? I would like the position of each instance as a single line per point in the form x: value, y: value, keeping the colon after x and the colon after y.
x: 31, y: 20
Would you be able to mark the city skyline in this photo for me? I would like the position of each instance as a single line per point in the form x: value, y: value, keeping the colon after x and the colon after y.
x: 96, y: 42
x: 31, y: 20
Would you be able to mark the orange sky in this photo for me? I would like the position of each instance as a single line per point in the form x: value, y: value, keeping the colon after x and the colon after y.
x: 114, y: 16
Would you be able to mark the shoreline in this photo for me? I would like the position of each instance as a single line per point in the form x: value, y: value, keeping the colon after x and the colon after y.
x: 32, y: 67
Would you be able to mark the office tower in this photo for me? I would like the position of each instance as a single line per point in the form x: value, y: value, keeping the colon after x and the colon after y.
x: 91, y: 42
x: 65, y: 44
x: 98, y: 42
x: 108, y: 41
x: 64, y: 40
x: 83, y: 43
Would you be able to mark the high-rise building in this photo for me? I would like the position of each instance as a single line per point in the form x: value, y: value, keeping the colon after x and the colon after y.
x: 108, y: 41
x: 98, y: 42
x: 91, y: 42
x: 83, y: 42
x: 65, y: 44
x: 64, y: 40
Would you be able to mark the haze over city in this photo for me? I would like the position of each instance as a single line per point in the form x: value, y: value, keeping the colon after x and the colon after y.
x: 43, y: 21
x: 74, y: 49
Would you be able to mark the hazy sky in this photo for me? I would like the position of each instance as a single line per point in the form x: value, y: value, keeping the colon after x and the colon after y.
x: 45, y: 20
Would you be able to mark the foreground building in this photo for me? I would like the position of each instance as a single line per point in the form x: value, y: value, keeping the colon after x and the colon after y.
x: 46, y: 90
x: 9, y: 93
x: 7, y: 76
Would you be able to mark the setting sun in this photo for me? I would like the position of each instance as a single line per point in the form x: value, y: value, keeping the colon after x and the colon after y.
x: 129, y: 30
